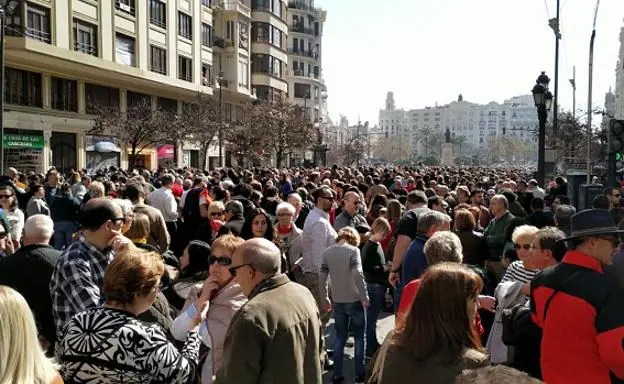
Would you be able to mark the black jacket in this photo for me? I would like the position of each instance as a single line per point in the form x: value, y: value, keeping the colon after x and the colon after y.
x: 475, y: 250
x: 234, y: 226
x: 542, y: 219
x: 29, y: 271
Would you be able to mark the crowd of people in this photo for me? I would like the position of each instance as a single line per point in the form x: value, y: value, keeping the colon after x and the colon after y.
x: 232, y: 276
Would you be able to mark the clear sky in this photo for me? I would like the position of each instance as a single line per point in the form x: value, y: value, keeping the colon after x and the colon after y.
x: 429, y: 51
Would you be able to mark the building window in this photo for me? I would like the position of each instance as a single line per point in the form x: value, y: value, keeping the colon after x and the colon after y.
x: 185, y: 68
x: 137, y: 98
x: 206, y: 3
x: 64, y: 94
x: 243, y: 74
x: 266, y: 33
x: 124, y: 50
x: 38, y: 23
x: 158, y: 60
x: 206, y: 75
x: 99, y: 97
x: 262, y: 63
x: 185, y: 25
x: 23, y: 88
x: 85, y: 37
x: 158, y: 13
x: 206, y: 35
x: 166, y: 104
x: 302, y: 91
x: 126, y: 6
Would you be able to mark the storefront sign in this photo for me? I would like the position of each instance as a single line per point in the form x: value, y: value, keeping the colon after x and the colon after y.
x: 23, y: 141
x: 165, y: 152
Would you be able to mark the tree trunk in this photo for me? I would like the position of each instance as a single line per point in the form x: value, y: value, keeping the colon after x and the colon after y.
x: 132, y: 160
x: 203, y: 156
x: 278, y: 159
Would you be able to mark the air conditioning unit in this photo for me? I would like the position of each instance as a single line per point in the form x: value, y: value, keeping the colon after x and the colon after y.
x: 125, y: 7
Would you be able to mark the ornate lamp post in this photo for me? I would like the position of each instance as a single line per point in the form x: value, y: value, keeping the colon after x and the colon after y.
x: 543, y: 101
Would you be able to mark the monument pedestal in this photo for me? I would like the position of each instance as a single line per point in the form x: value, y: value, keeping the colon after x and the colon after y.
x: 448, y: 157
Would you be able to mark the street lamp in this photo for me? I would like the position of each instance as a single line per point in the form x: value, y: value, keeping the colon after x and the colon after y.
x: 543, y: 101
x: 220, y: 82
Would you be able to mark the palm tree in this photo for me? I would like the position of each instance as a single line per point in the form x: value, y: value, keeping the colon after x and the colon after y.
x: 424, y: 136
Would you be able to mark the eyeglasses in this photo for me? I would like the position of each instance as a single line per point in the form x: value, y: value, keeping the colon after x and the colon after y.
x: 5, y: 196
x: 233, y: 269
x: 221, y: 260
x: 328, y: 198
x: 217, y: 213
x: 116, y: 219
x: 526, y: 247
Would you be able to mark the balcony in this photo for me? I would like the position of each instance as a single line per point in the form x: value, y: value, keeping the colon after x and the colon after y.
x: 38, y: 35
x: 298, y: 28
x: 85, y: 48
x: 302, y: 5
x: 232, y: 5
x: 303, y: 53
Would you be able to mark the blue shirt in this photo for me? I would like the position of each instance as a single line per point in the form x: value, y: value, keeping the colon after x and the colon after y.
x: 415, y: 262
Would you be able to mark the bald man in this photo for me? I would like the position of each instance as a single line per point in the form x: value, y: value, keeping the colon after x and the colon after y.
x: 276, y: 337
x: 350, y: 216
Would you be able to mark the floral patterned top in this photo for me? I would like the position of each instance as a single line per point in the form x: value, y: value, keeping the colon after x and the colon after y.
x: 106, y: 345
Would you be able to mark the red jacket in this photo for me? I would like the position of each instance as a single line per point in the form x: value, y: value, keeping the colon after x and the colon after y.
x: 583, y: 330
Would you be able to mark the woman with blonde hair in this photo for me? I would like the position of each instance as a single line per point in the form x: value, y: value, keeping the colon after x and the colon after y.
x: 21, y: 358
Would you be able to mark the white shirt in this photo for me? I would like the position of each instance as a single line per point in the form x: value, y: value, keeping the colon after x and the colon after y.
x: 318, y: 235
x: 163, y: 200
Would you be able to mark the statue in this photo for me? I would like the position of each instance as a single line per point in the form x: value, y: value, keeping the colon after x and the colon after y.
x: 448, y: 136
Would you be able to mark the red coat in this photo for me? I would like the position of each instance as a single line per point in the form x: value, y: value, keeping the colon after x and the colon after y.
x: 583, y: 328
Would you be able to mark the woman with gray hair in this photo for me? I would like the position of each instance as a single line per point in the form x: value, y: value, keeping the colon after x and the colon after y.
x: 444, y: 246
x: 290, y: 236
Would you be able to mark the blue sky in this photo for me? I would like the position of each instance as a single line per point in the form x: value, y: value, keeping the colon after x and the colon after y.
x: 429, y: 51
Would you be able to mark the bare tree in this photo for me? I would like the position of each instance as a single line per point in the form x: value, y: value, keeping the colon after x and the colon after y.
x: 391, y: 149
x: 199, y: 122
x: 141, y: 126
x: 247, y: 135
x: 287, y: 129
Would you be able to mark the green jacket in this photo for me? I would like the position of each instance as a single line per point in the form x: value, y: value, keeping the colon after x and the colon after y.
x: 495, y: 236
x: 275, y: 338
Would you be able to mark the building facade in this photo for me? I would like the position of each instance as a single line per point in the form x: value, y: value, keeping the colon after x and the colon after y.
x: 64, y: 58
x: 305, y: 36
x: 475, y: 123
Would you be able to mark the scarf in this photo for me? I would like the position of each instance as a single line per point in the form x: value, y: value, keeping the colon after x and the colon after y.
x: 284, y: 230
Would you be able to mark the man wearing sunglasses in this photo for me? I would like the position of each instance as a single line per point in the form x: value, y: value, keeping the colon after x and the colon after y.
x: 78, y: 276
x: 276, y: 336
x: 579, y: 308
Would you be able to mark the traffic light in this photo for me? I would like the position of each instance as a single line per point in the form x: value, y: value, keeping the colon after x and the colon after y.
x: 616, y: 149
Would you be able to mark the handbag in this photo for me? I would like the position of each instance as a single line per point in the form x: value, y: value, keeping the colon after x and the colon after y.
x: 376, y: 374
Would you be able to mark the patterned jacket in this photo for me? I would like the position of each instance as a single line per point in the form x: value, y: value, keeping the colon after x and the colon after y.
x: 105, y: 345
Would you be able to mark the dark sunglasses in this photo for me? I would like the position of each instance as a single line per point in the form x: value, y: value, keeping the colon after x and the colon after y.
x: 233, y: 269
x: 116, y: 219
x: 5, y: 196
x: 217, y: 213
x: 520, y: 246
x: 221, y: 260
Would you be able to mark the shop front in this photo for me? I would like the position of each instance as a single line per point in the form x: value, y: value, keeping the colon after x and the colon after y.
x: 103, y: 152
x: 23, y: 150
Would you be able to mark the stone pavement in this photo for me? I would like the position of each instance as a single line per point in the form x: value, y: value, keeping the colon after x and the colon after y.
x: 384, y: 325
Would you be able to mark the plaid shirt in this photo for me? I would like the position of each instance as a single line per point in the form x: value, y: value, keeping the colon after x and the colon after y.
x: 77, y: 280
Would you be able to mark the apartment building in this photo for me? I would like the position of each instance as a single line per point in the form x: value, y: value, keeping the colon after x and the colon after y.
x: 64, y: 57
x: 305, y: 36
x: 515, y: 117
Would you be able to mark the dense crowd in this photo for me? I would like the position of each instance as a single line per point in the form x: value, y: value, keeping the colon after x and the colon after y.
x: 232, y: 275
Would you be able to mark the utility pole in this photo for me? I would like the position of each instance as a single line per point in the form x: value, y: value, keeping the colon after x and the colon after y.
x: 589, y: 93
x: 573, y: 82
x: 220, y: 79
